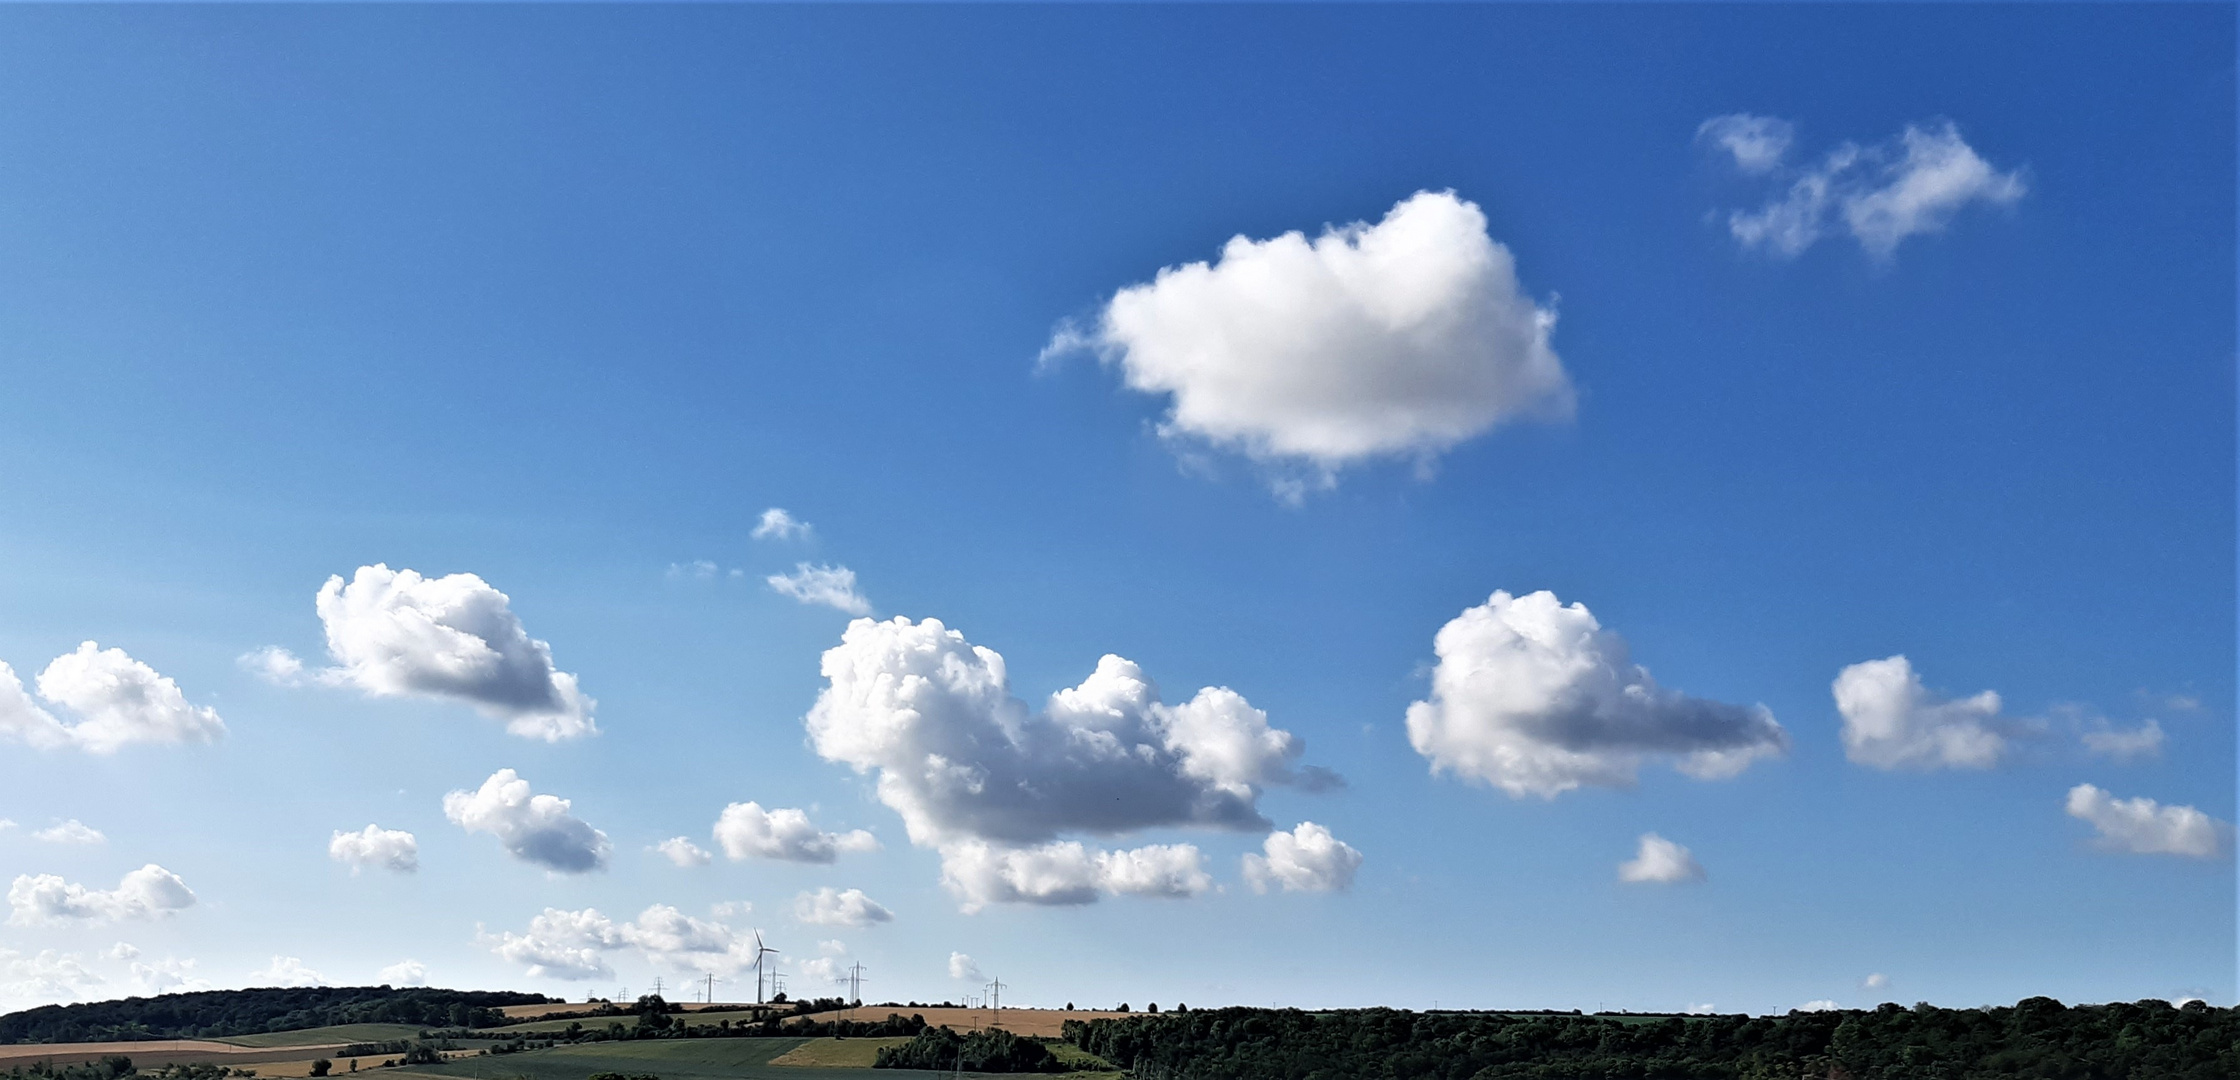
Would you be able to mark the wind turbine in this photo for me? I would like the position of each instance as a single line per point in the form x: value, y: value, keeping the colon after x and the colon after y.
x: 760, y: 950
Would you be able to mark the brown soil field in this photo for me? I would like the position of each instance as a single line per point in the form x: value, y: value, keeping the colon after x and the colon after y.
x: 1039, y: 1023
x: 161, y: 1052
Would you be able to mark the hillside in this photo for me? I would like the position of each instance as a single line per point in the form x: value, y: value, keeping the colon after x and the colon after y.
x: 217, y: 1014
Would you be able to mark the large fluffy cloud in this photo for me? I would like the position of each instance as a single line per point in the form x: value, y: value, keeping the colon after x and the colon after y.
x: 147, y: 893
x: 1401, y: 338
x: 1306, y: 859
x: 991, y: 783
x: 534, y: 828
x: 116, y: 699
x: 1068, y: 872
x: 396, y: 633
x: 392, y: 849
x: 42, y: 979
x: 837, y: 907
x: 1661, y: 862
x: 747, y: 831
x: 1891, y: 721
x: 573, y: 945
x: 2143, y: 826
x: 1533, y: 696
x: 286, y: 971
x: 1912, y: 185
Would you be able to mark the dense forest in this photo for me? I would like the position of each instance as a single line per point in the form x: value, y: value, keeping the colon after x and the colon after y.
x: 941, y: 1049
x: 219, y: 1013
x: 2038, y: 1039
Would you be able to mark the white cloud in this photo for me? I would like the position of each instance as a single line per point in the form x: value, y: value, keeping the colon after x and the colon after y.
x: 733, y: 909
x: 977, y: 775
x: 1306, y: 859
x: 147, y: 893
x: 777, y: 524
x: 562, y: 945
x: 696, y: 570
x: 2144, y: 741
x: 395, y: 633
x: 573, y: 944
x: 6, y: 824
x: 832, y: 586
x: 392, y: 849
x: 534, y: 828
x: 42, y: 979
x: 1067, y: 872
x: 1875, y: 981
x: 72, y: 831
x: 1821, y: 1005
x: 169, y: 975
x: 404, y: 973
x: 830, y: 907
x: 1758, y: 143
x: 745, y: 830
x: 2142, y: 826
x: 1704, y: 1009
x: 1399, y: 339
x: 123, y: 950
x: 286, y: 971
x: 684, y: 852
x: 274, y: 665
x: 1890, y: 721
x: 118, y: 701
x: 1910, y: 186
x: 1660, y: 861
x: 962, y: 966
x: 1536, y: 698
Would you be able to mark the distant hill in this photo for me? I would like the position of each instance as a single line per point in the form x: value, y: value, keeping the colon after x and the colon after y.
x: 212, y: 1014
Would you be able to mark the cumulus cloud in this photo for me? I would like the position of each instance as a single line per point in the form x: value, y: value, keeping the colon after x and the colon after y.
x: 392, y: 849
x: 777, y: 524
x: 123, y: 950
x: 72, y: 831
x: 1398, y: 339
x: 1306, y: 859
x: 394, y: 633
x: 747, y: 831
x: 534, y: 828
x: 42, y: 979
x: 2144, y: 741
x: 1875, y: 981
x: 1910, y: 186
x: 2143, y: 826
x: 286, y: 971
x: 830, y: 907
x: 117, y: 701
x: 1068, y: 872
x: 962, y: 966
x: 1757, y: 143
x: 1534, y: 697
x: 573, y: 945
x: 990, y: 783
x: 1661, y: 862
x: 169, y: 975
x: 1890, y: 721
x: 1821, y: 1005
x: 696, y: 570
x: 832, y: 586
x: 404, y: 973
x: 684, y: 852
x: 147, y: 893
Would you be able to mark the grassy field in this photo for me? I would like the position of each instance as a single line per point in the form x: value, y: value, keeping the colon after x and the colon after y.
x: 835, y: 1053
x: 670, y: 1059
x: 340, y: 1033
x: 599, y: 1023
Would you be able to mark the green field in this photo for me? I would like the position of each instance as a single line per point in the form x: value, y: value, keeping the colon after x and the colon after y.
x: 341, y: 1033
x: 599, y: 1023
x: 670, y: 1059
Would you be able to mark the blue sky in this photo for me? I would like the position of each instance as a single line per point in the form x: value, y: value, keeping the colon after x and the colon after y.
x: 567, y: 298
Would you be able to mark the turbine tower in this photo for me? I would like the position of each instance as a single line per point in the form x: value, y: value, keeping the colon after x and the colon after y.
x: 760, y: 951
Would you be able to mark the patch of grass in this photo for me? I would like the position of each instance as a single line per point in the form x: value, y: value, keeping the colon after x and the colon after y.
x: 709, y: 1018
x: 669, y: 1059
x: 1081, y: 1064
x: 835, y: 1053
x: 340, y: 1033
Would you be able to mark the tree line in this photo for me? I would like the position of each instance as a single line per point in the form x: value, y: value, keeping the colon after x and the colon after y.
x: 222, y: 1013
x: 2036, y: 1039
